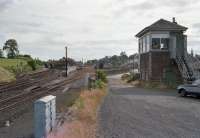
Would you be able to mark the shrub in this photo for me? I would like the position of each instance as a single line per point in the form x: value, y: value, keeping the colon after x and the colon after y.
x: 125, y: 76
x: 1, y: 53
x: 133, y: 77
x: 25, y: 57
x: 101, y: 75
x: 99, y: 84
x: 39, y: 62
x: 18, y: 68
x: 32, y: 64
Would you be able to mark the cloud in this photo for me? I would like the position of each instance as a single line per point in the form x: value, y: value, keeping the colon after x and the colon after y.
x: 176, y: 3
x: 197, y: 27
x: 91, y: 28
x: 78, y: 50
x: 146, y: 6
x: 104, y: 42
x: 5, y: 4
x: 141, y: 6
x: 134, y: 8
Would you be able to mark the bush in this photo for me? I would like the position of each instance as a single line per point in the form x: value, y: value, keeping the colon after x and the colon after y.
x: 101, y: 75
x: 25, y: 57
x: 32, y: 64
x: 1, y: 53
x: 125, y: 76
x: 18, y: 69
x: 39, y: 62
x: 99, y: 84
x: 133, y: 77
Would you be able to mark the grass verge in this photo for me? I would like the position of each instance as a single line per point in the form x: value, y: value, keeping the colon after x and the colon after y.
x: 6, y: 76
x: 11, y: 62
x: 10, y: 68
x: 85, y: 122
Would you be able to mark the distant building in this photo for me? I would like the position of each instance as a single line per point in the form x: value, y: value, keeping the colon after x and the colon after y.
x: 163, y: 50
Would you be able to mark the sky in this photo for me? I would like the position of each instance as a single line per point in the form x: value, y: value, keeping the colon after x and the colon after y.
x: 90, y: 28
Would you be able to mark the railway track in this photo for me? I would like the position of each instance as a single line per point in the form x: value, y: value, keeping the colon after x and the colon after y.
x: 12, y: 102
x: 24, y: 82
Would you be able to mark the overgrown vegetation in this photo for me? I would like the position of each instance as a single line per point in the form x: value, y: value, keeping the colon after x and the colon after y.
x: 100, y: 84
x: 130, y: 77
x: 85, y: 123
x: 32, y: 64
x: 101, y: 75
x: 21, y: 65
x: 1, y: 53
x: 101, y: 79
x: 84, y: 110
x: 6, y: 76
x: 15, y: 66
x: 114, y: 61
x: 16, y: 63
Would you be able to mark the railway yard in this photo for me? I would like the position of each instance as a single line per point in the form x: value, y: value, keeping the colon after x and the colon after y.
x: 17, y: 98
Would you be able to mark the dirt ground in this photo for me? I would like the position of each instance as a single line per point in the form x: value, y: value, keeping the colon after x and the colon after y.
x: 130, y: 112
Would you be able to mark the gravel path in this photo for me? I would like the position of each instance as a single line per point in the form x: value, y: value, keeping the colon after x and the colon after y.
x: 129, y: 112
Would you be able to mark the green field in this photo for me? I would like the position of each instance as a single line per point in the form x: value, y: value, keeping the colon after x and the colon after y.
x: 12, y: 67
x: 6, y: 76
x: 9, y: 68
x: 15, y: 66
x: 5, y: 63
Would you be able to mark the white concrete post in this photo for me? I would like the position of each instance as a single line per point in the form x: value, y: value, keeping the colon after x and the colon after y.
x: 44, y: 115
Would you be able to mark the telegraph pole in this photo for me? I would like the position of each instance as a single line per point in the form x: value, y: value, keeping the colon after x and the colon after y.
x: 66, y: 61
x: 133, y: 62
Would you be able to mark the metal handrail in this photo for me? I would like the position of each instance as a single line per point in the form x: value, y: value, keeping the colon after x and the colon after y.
x: 182, y: 67
x: 194, y: 63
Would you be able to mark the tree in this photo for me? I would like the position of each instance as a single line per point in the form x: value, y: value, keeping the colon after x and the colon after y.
x: 123, y: 53
x: 32, y: 64
x: 192, y: 53
x: 1, y: 53
x: 115, y: 60
x: 123, y: 57
x: 11, y: 48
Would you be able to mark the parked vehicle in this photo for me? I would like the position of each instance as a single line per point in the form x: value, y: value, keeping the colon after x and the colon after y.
x: 189, y: 89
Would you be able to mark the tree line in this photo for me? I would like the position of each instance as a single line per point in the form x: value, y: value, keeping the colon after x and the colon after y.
x: 113, y: 61
x: 11, y: 49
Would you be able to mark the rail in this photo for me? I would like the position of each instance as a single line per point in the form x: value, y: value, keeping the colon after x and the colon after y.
x: 12, y: 101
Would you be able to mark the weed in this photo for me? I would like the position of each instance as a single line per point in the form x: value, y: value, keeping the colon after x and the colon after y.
x: 84, y: 126
x: 101, y: 75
